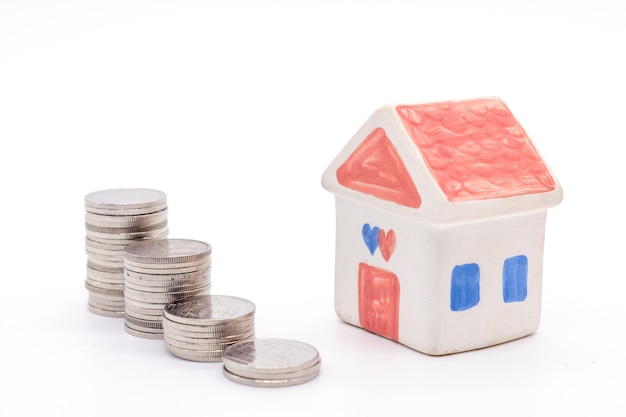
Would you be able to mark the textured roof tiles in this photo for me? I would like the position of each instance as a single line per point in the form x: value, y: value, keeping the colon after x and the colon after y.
x: 476, y: 149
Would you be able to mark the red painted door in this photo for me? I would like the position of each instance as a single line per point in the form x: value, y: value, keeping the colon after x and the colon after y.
x: 379, y: 299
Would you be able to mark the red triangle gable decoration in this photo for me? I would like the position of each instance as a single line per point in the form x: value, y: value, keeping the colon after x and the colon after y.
x: 375, y: 168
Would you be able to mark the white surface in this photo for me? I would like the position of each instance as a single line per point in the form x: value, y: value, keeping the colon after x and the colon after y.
x: 234, y: 109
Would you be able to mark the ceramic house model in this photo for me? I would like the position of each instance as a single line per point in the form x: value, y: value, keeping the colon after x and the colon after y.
x: 441, y: 212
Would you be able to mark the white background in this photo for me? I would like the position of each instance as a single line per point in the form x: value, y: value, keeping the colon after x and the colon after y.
x: 234, y: 109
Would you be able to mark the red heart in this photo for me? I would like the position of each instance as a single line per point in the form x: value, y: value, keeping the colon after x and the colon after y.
x: 387, y: 243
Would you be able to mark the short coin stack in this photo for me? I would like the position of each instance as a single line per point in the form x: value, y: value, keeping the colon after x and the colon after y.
x: 157, y: 273
x: 200, y: 328
x: 115, y: 218
x: 271, y: 362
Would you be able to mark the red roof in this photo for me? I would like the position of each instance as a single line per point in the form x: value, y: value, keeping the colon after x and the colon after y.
x: 476, y: 149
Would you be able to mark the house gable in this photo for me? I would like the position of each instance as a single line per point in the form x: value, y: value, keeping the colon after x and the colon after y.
x: 375, y: 168
x: 475, y: 149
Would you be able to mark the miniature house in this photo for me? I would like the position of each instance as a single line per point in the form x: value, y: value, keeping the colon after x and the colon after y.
x: 441, y: 212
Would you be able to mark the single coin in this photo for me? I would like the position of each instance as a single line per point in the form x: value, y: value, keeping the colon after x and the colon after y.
x: 165, y: 298
x: 154, y: 330
x: 197, y: 264
x: 104, y: 293
x: 105, y: 312
x: 104, y: 285
x: 103, y: 269
x: 209, y: 310
x: 221, y: 332
x: 207, y: 345
x: 109, y: 239
x: 204, y: 267
x: 128, y: 230
x: 215, y: 339
x: 125, y: 199
x: 146, y: 325
x: 143, y: 315
x: 144, y: 335
x: 195, y: 355
x: 167, y: 286
x: 110, y: 303
x: 262, y: 382
x: 125, y: 221
x: 167, y: 251
x: 127, y: 212
x: 140, y: 236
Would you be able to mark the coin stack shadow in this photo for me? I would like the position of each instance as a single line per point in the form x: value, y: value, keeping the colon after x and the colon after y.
x: 115, y: 218
x: 157, y: 273
x: 200, y: 328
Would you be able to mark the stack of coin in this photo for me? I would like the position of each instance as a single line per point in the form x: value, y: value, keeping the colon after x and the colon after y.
x: 200, y: 328
x: 158, y: 272
x: 113, y: 219
x: 271, y: 362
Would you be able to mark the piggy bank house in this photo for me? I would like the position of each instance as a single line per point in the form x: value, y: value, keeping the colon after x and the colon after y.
x: 440, y: 224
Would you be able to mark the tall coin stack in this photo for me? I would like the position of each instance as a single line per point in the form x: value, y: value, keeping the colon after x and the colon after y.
x: 157, y: 273
x: 200, y: 328
x: 115, y: 218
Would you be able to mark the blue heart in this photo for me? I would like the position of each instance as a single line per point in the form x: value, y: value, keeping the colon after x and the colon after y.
x: 370, y: 236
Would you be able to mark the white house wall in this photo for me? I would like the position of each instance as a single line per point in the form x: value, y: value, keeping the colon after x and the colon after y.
x: 486, y: 243
x: 423, y: 262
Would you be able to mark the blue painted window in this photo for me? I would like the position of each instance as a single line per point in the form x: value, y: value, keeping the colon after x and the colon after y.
x: 465, y: 287
x: 515, y: 279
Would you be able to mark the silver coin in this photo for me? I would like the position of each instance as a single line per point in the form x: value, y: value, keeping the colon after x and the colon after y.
x: 108, y: 301
x: 127, y: 212
x: 105, y: 312
x: 169, y: 271
x: 126, y: 221
x: 144, y: 305
x: 104, y: 285
x: 220, y: 331
x: 99, y: 257
x: 93, y: 251
x: 104, y: 269
x: 199, y: 344
x: 299, y: 373
x: 112, y: 278
x: 167, y: 286
x: 129, y: 230
x: 125, y: 198
x: 209, y: 310
x: 105, y: 263
x: 146, y: 325
x: 148, y: 279
x: 153, y: 330
x: 168, y: 251
x: 161, y: 297
x: 104, y: 293
x: 147, y: 235
x: 195, y: 355
x: 270, y: 357
x: 264, y: 382
x: 197, y: 264
x: 150, y: 315
x: 106, y: 304
x: 215, y: 338
x: 144, y: 335
x: 118, y: 240
x: 113, y: 247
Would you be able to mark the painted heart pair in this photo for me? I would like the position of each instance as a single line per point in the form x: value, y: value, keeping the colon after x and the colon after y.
x: 375, y: 237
